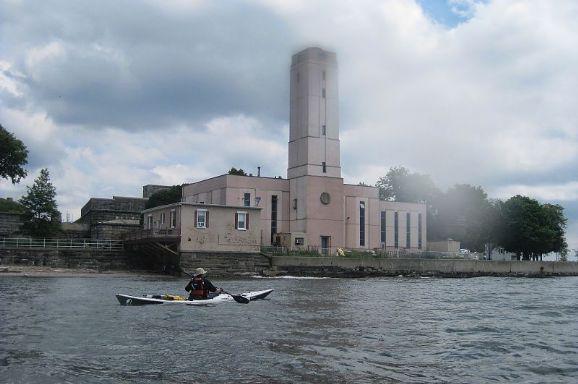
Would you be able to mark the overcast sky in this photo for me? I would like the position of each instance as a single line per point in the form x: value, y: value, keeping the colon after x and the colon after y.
x: 112, y: 95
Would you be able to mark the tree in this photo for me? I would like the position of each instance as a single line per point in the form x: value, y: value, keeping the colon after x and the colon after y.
x: 166, y: 196
x: 464, y: 214
x: 399, y: 184
x: 41, y: 217
x: 10, y: 206
x: 238, y: 172
x: 531, y: 229
x: 13, y: 157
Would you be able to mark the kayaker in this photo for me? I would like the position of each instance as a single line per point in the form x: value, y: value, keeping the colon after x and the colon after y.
x: 201, y: 288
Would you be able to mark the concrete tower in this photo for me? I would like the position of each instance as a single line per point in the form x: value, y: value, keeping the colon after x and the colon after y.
x: 314, y: 116
x: 314, y: 171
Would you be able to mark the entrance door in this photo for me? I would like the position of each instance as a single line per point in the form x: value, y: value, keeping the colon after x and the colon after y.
x: 325, y: 245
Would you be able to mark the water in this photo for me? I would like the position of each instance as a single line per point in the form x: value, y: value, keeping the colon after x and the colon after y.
x: 72, y: 330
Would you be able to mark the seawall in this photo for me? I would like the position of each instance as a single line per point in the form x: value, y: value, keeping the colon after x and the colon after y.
x: 102, y: 260
x: 349, y: 267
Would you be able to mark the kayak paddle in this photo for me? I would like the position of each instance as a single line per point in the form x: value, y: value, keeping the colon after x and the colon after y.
x: 238, y: 298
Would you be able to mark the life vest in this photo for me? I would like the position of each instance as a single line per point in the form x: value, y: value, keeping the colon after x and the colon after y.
x: 199, y: 291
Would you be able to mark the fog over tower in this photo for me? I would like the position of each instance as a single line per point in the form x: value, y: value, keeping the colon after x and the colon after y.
x: 314, y: 116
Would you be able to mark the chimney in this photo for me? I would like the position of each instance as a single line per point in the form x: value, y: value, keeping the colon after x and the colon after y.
x: 259, y: 171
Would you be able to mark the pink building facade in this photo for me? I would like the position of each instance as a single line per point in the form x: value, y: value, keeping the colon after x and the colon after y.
x: 312, y: 208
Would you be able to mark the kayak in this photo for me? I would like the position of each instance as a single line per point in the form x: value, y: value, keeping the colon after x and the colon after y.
x: 174, y: 299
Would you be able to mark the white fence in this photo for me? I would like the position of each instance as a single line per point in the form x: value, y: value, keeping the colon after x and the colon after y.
x: 30, y: 243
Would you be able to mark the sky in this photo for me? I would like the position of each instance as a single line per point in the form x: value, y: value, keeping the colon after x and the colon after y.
x: 113, y: 95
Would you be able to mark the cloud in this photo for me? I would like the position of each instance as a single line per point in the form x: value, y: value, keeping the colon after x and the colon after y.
x: 111, y: 99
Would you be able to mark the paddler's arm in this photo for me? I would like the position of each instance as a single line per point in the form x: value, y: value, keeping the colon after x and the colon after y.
x: 211, y: 287
x: 189, y: 286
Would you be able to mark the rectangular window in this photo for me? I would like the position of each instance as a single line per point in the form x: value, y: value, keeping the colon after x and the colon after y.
x: 150, y: 222
x: 408, y: 230
x: 362, y: 223
x: 383, y: 229
x: 273, y: 217
x: 242, y: 221
x: 247, y: 200
x: 324, y: 165
x: 295, y: 204
x: 419, y: 243
x: 173, y: 218
x: 323, y: 93
x: 396, y: 230
x: 162, y: 218
x: 202, y: 218
x: 324, y: 129
x: 323, y: 75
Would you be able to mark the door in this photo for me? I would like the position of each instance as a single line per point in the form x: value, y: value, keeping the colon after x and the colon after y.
x: 325, y: 245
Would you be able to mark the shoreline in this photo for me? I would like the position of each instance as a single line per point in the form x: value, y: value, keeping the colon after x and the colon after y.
x: 34, y: 271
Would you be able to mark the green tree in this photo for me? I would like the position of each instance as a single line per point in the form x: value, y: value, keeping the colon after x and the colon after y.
x: 13, y: 157
x: 166, y: 196
x: 399, y: 184
x: 41, y: 217
x: 238, y: 172
x: 10, y: 206
x: 464, y: 213
x: 531, y: 229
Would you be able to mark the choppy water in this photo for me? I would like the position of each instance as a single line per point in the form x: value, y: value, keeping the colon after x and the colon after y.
x: 72, y: 330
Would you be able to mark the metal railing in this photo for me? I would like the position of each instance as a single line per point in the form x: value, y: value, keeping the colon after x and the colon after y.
x: 399, y: 253
x: 32, y: 243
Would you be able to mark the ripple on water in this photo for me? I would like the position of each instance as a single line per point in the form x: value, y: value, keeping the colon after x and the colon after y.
x: 313, y: 330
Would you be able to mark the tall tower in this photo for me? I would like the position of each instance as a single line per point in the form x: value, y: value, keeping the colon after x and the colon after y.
x: 314, y: 171
x: 314, y: 116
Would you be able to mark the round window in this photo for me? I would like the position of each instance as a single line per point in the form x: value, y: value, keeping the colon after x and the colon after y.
x: 325, y: 198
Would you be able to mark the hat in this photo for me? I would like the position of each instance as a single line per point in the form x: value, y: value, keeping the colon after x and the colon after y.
x: 200, y: 271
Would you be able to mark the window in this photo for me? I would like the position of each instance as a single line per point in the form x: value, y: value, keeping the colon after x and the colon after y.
x: 273, y: 216
x: 201, y: 218
x: 324, y: 129
x: 242, y: 221
x: 408, y: 230
x: 247, y: 200
x: 396, y: 230
x: 324, y: 165
x: 150, y: 222
x: 383, y: 218
x: 299, y: 241
x: 295, y: 204
x: 162, y: 218
x: 362, y: 223
x: 323, y: 75
x: 323, y: 93
x: 173, y: 218
x: 419, y: 243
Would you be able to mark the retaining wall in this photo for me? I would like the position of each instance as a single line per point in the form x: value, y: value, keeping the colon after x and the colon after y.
x: 344, y: 267
x: 66, y: 258
x: 225, y: 263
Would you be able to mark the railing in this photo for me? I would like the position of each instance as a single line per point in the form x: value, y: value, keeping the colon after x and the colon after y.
x: 31, y: 243
x: 400, y: 253
x: 152, y: 233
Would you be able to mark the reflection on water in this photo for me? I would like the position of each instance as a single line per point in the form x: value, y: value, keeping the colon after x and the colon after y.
x: 55, y: 330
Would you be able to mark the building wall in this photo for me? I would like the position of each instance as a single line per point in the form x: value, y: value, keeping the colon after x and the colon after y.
x: 230, y: 190
x: 221, y: 234
x: 10, y: 223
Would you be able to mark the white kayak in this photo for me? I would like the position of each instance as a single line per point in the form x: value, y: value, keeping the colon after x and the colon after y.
x: 173, y: 299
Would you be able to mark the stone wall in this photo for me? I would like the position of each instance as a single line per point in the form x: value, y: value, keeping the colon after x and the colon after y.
x: 224, y: 263
x: 66, y: 258
x: 345, y: 267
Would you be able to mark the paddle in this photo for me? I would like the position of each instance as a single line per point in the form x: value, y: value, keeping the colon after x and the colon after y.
x: 238, y: 298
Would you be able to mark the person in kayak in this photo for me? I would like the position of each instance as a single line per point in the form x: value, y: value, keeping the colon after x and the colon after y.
x: 201, y: 288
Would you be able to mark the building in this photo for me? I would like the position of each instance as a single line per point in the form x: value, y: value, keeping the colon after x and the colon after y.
x: 112, y: 218
x: 312, y: 208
